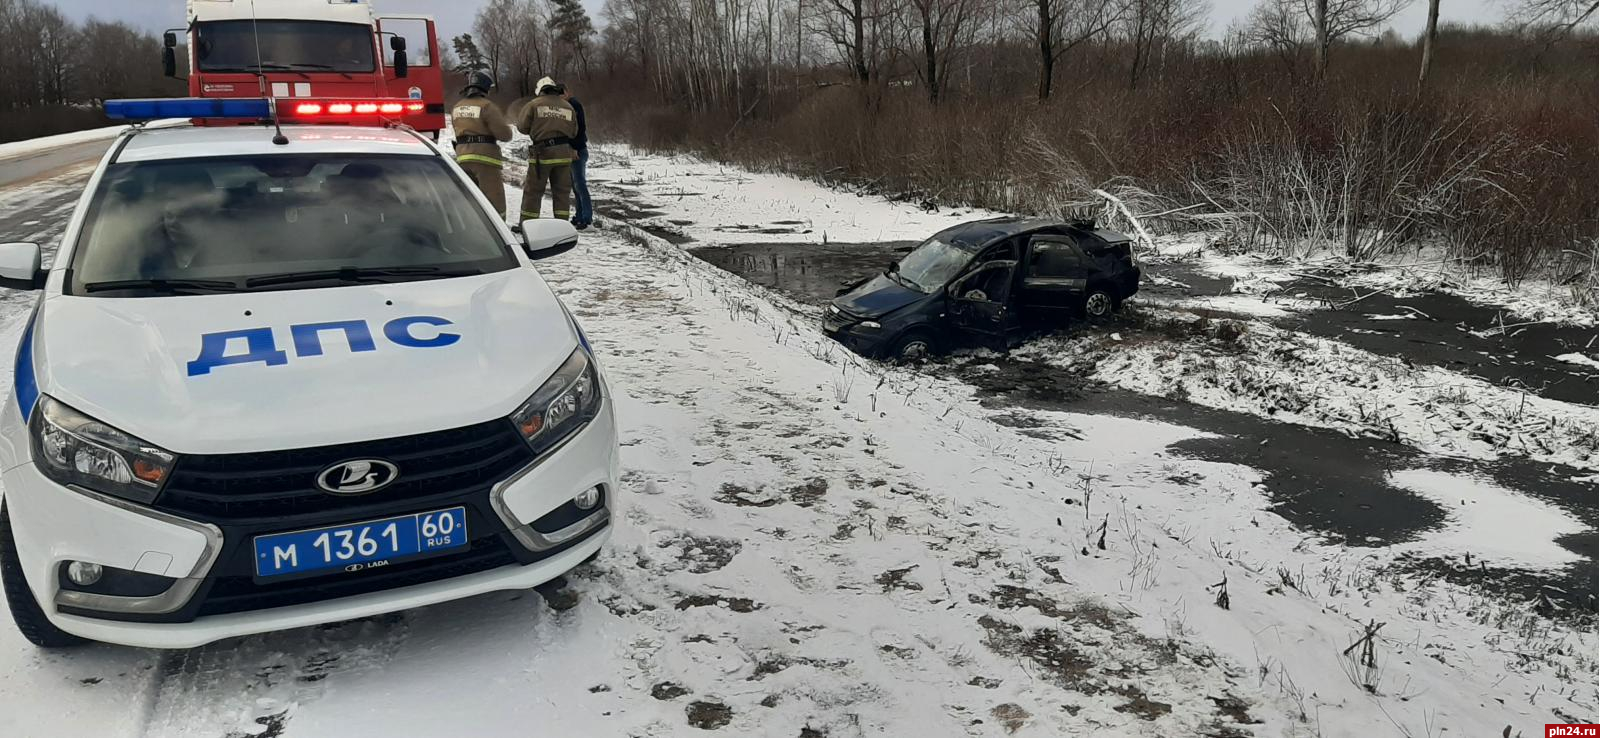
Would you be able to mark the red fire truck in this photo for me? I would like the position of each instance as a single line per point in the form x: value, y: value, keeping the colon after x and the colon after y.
x: 315, y: 49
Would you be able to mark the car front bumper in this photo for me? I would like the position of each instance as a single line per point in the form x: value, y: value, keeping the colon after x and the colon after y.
x: 868, y: 342
x: 53, y: 524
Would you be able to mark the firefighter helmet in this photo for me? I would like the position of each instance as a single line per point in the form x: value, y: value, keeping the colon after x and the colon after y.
x: 478, y: 80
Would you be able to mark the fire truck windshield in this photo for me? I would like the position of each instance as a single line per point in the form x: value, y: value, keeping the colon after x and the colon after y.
x: 286, y: 45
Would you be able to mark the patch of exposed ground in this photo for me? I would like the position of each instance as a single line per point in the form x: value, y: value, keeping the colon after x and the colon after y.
x: 708, y: 715
x: 697, y: 554
x: 736, y: 604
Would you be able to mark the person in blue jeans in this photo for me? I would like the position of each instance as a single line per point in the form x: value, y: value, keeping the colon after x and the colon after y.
x: 580, y: 168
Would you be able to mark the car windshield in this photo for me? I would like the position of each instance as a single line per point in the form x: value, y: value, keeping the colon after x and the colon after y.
x: 260, y: 222
x: 928, y: 267
x: 231, y: 46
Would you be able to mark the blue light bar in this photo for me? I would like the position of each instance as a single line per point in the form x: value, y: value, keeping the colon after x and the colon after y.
x: 244, y: 108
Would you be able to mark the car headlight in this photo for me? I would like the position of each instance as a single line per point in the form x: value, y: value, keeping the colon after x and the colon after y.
x: 870, y: 325
x: 74, y: 449
x: 566, y: 402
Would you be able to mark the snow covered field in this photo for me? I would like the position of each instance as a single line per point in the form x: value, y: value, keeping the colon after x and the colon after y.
x: 816, y: 545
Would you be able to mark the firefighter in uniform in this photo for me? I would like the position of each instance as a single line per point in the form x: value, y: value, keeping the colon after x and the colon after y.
x: 480, y: 127
x: 551, y: 122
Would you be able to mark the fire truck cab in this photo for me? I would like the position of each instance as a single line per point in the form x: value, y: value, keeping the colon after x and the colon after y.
x: 311, y: 49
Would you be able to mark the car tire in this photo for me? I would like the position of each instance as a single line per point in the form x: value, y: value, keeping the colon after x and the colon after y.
x: 25, y: 610
x: 911, y: 347
x: 1099, y: 304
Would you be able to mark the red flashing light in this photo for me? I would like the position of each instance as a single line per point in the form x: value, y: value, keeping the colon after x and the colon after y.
x: 342, y: 111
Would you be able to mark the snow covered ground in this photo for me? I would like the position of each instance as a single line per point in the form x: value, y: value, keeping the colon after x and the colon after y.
x: 1291, y: 377
x: 820, y: 546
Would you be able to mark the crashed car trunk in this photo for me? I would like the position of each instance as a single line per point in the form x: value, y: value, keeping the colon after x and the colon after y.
x: 985, y: 283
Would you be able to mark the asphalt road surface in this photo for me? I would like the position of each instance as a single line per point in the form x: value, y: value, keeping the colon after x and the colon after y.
x: 39, y: 165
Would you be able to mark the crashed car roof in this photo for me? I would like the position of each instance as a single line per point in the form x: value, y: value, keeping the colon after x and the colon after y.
x: 980, y: 233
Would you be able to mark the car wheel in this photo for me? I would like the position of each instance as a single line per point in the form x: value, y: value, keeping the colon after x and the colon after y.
x: 911, y: 347
x: 25, y: 610
x: 1099, y: 304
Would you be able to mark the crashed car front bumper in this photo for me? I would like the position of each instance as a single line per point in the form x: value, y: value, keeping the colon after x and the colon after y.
x: 854, y: 334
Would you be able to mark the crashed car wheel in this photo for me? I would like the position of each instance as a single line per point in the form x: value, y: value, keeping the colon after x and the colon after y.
x: 910, y: 348
x: 1099, y: 305
x: 25, y: 610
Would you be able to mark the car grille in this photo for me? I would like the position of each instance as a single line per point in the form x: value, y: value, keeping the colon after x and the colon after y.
x: 242, y: 593
x: 835, y: 322
x: 279, y: 487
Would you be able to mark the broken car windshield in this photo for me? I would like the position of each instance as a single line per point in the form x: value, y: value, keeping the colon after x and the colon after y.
x: 930, y: 266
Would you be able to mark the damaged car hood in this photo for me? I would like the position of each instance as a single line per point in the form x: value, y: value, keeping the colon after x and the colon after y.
x: 877, y: 297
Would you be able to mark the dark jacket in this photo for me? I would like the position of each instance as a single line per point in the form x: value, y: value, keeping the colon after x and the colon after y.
x: 580, y: 141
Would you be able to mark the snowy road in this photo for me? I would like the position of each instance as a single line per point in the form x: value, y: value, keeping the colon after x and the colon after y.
x: 817, y: 546
x: 29, y: 167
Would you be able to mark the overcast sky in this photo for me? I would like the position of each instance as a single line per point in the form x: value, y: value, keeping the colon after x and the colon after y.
x: 455, y: 16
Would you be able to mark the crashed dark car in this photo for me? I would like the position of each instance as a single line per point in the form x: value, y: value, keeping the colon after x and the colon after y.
x: 985, y: 283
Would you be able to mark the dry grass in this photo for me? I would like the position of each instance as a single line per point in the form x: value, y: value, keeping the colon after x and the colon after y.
x: 1497, y: 163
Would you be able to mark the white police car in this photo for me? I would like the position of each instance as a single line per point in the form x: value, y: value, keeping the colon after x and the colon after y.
x: 271, y: 385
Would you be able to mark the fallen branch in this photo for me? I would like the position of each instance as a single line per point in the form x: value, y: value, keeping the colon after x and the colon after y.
x: 1133, y: 220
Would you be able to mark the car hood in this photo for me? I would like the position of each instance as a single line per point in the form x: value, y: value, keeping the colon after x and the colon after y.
x: 877, y: 297
x: 130, y: 361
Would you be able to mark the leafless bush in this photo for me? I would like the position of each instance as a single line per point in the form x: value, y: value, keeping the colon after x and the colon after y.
x: 1495, y: 164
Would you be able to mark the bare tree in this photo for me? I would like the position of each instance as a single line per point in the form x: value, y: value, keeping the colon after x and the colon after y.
x: 1152, y: 25
x: 1430, y: 35
x: 495, y: 26
x: 946, y: 29
x: 1560, y: 16
x: 1334, y: 20
x: 851, y: 27
x: 1279, y: 25
x: 1059, y: 26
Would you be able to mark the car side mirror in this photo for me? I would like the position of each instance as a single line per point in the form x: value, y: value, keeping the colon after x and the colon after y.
x: 401, y: 68
x: 20, y: 266
x: 169, y: 62
x: 547, y: 237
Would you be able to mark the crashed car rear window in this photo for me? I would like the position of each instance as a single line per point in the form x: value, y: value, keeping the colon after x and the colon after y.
x: 231, y: 220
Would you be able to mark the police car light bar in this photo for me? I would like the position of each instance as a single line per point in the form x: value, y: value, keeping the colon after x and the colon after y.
x: 304, y: 109
x: 243, y: 108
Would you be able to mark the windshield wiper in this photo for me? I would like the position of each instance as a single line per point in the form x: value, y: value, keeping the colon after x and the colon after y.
x: 309, y: 65
x: 354, y: 275
x: 893, y: 273
x: 281, y: 67
x: 174, y: 286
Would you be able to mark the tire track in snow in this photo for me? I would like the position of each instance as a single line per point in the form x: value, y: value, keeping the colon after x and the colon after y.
x: 252, y: 686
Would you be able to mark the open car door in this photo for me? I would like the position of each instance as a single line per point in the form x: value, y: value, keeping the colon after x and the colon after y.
x: 1056, y: 275
x: 423, y: 78
x: 980, y: 306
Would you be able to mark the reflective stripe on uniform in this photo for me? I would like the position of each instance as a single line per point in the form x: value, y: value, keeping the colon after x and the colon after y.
x: 555, y: 161
x: 530, y: 214
x: 478, y: 159
x: 562, y: 214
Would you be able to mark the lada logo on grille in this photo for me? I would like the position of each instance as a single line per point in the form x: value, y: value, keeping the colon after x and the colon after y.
x: 357, y: 477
